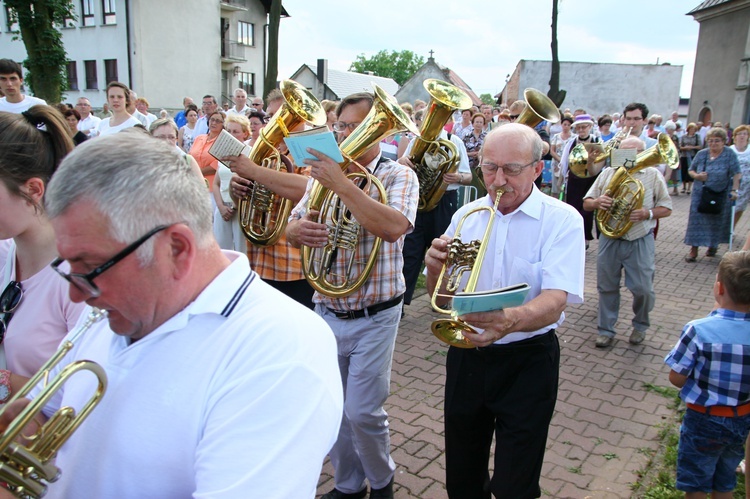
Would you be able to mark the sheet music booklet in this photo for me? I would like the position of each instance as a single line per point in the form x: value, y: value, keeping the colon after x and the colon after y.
x: 318, y: 138
x: 228, y: 145
x: 494, y: 299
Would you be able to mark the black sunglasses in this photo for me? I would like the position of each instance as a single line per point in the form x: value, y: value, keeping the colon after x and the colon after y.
x: 85, y: 282
x: 9, y: 301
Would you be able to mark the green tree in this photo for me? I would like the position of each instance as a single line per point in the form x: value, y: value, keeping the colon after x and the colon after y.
x: 397, y: 65
x: 272, y: 65
x: 487, y: 99
x: 38, y: 22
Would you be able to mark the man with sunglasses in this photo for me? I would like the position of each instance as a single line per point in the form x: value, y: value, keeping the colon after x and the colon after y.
x: 217, y: 384
x: 507, y: 385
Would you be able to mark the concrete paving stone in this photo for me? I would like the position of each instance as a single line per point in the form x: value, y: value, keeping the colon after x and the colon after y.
x: 583, y: 402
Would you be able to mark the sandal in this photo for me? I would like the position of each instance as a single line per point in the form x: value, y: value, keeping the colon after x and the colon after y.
x: 690, y: 259
x: 711, y: 252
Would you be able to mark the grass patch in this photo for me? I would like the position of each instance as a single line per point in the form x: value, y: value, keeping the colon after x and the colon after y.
x: 657, y: 478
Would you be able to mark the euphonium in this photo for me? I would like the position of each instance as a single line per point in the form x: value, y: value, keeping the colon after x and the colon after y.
x: 579, y: 155
x: 433, y: 157
x: 627, y: 191
x: 462, y: 258
x: 24, y: 466
x: 319, y: 264
x: 262, y: 213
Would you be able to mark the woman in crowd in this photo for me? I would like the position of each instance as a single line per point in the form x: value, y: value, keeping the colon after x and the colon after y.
x: 557, y: 145
x: 577, y: 187
x: 187, y: 135
x: 226, y: 226
x: 73, y: 117
x: 461, y: 127
x: 473, y: 140
x: 650, y: 130
x: 329, y: 107
x: 718, y: 169
x: 743, y: 155
x: 690, y: 143
x: 35, y: 308
x: 118, y: 98
x: 202, y: 143
x: 672, y: 176
x: 605, y: 124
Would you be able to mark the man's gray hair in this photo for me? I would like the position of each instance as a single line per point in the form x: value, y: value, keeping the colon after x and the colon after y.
x: 137, y: 183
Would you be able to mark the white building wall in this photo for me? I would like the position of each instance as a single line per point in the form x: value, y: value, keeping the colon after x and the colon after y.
x: 607, y: 88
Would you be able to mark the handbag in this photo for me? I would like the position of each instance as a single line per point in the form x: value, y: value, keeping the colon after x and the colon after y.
x: 712, y: 202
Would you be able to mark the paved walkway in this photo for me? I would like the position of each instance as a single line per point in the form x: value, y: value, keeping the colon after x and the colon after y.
x: 605, y: 418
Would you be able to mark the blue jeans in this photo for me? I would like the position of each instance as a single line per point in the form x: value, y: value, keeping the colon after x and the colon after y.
x: 710, y: 449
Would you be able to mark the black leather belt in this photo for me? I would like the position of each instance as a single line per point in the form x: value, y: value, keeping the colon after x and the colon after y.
x: 366, y: 312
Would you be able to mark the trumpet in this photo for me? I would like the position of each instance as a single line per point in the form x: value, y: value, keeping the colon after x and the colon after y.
x: 385, y: 118
x: 23, y: 468
x: 579, y: 155
x: 263, y: 214
x: 432, y: 156
x: 462, y: 258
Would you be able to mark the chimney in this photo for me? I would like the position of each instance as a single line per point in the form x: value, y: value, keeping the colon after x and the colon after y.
x: 323, y: 71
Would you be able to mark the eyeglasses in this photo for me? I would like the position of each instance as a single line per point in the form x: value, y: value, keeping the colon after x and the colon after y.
x: 170, y: 138
x: 256, y: 104
x: 714, y: 141
x: 215, y: 120
x: 514, y: 117
x: 9, y: 301
x: 510, y: 170
x: 85, y: 282
x: 341, y: 126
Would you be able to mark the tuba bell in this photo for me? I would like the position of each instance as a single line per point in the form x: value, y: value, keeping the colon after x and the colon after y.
x: 627, y: 191
x: 433, y: 157
x: 538, y: 108
x: 24, y: 467
x: 263, y: 214
x: 462, y: 258
x: 320, y: 264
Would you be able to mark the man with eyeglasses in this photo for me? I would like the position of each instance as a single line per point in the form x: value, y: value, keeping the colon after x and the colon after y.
x: 88, y: 120
x: 208, y: 107
x: 364, y: 322
x: 632, y: 253
x: 279, y: 265
x: 217, y: 384
x: 507, y: 385
x: 257, y: 103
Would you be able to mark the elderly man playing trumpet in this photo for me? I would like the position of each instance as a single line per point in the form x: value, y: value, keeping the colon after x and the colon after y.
x: 508, y: 384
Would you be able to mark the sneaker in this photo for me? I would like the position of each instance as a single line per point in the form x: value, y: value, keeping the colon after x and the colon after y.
x: 337, y: 494
x: 603, y: 341
x: 637, y: 337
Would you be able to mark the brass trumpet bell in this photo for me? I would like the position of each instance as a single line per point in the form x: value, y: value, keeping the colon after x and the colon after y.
x: 451, y: 331
x: 538, y: 108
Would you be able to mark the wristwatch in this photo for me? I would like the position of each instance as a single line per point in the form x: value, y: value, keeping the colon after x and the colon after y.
x: 4, y: 386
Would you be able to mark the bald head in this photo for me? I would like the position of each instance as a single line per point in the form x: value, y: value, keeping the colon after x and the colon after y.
x: 526, y: 137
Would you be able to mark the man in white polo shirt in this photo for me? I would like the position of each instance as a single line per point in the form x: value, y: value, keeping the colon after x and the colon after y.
x: 88, y: 120
x: 11, y: 81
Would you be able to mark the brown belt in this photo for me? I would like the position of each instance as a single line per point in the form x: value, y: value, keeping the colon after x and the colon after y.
x: 725, y: 411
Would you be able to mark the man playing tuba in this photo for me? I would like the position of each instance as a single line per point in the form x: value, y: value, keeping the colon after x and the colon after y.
x: 364, y: 322
x: 632, y: 251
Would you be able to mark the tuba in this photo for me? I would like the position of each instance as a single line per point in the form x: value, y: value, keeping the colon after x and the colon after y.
x: 24, y: 466
x: 538, y: 108
x: 263, y: 214
x: 319, y: 264
x: 433, y: 157
x: 462, y: 258
x: 579, y: 155
x: 627, y: 192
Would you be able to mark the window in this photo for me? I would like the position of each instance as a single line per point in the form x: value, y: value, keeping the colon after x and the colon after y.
x: 108, y: 11
x: 110, y: 70
x: 10, y: 19
x: 91, y: 80
x: 72, y: 73
x: 87, y: 13
x: 247, y: 82
x: 245, y: 33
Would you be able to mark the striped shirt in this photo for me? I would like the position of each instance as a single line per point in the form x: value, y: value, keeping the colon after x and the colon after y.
x: 714, y: 353
x: 386, y: 280
x: 282, y: 261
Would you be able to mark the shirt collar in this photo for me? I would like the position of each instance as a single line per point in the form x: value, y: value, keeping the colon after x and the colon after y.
x: 532, y: 205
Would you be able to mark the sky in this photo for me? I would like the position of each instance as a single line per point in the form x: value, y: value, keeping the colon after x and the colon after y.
x: 483, y: 40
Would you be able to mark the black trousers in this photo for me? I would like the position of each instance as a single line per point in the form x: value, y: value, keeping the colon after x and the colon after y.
x: 299, y: 291
x: 427, y: 227
x: 510, y: 390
